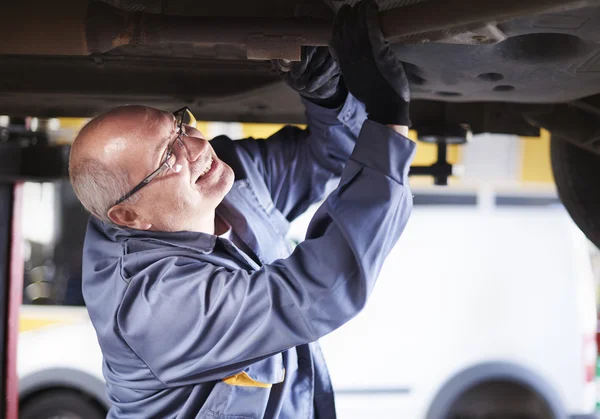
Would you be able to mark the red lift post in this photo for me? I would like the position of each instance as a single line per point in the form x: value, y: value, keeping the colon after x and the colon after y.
x: 24, y: 155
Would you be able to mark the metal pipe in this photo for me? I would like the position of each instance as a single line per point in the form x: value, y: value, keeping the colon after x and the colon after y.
x: 427, y: 16
x: 234, y: 30
x: 106, y: 27
x: 263, y: 38
x: 282, y: 38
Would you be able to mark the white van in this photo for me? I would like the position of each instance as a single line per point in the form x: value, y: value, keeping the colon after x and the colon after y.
x: 485, y: 309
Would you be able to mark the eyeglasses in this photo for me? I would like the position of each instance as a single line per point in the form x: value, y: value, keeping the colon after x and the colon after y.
x: 183, y: 117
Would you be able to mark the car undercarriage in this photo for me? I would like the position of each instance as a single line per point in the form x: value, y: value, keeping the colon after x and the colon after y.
x: 474, y: 66
x: 77, y: 59
x: 477, y: 66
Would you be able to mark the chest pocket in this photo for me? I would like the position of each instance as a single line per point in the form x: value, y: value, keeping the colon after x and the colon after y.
x: 255, y: 219
x: 244, y: 395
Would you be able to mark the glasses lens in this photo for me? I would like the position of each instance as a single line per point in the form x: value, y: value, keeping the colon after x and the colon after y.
x: 179, y: 117
x: 188, y: 118
x: 172, y: 161
x: 185, y: 117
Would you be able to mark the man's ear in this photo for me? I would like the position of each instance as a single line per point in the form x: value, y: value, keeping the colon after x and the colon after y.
x: 127, y: 217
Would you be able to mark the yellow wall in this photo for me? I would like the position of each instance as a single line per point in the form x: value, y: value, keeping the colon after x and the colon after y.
x: 535, y: 159
x: 202, y: 126
x: 427, y: 153
x: 535, y: 152
x: 262, y: 130
x: 73, y: 123
x: 27, y: 324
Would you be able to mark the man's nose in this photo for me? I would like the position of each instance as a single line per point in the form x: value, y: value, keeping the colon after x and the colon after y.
x: 195, y: 147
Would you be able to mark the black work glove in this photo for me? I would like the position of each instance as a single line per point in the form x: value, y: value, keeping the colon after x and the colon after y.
x: 316, y: 77
x: 372, y: 71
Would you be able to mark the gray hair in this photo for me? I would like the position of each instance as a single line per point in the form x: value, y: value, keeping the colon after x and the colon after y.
x: 98, y: 187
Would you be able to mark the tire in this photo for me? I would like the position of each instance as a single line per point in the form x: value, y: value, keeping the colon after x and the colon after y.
x: 577, y: 177
x: 60, y: 404
x: 500, y: 400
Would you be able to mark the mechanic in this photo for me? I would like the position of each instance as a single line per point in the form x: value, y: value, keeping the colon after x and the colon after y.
x: 200, y: 306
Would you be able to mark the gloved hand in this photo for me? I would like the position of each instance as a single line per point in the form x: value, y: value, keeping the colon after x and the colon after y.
x: 316, y: 77
x: 371, y: 70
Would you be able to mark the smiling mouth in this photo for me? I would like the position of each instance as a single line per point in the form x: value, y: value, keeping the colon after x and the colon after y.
x: 206, y: 169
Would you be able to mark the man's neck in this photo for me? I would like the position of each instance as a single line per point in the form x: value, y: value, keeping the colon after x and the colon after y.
x: 220, y: 226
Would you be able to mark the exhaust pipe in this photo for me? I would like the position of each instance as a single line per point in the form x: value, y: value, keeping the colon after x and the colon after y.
x: 37, y: 27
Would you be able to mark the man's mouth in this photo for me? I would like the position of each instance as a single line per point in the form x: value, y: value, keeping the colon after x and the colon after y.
x: 206, y: 170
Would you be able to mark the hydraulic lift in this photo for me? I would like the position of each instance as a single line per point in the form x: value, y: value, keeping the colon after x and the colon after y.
x: 24, y: 156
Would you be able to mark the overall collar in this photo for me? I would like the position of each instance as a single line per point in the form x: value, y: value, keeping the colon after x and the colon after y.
x: 201, y: 242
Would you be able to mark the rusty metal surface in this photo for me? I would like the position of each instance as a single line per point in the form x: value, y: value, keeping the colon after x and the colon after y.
x: 261, y: 47
x: 263, y: 38
x: 41, y: 28
x: 201, y: 61
x: 107, y: 28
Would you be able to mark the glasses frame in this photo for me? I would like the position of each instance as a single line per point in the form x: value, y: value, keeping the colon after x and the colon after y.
x: 165, y: 164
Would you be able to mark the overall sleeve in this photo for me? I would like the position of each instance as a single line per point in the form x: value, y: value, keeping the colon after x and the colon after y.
x: 297, y: 164
x: 191, y: 321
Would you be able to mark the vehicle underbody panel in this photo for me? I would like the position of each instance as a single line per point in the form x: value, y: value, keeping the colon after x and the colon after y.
x: 548, y: 58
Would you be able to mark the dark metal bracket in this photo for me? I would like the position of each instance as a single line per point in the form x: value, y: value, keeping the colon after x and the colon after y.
x: 441, y: 136
x: 441, y: 170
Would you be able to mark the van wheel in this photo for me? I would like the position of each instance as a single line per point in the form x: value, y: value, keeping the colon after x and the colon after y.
x: 577, y: 173
x: 60, y: 404
x: 500, y: 400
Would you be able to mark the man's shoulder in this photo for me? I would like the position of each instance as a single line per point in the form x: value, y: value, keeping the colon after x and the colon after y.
x: 243, y: 156
x: 231, y: 153
x: 134, y: 251
x: 149, y: 257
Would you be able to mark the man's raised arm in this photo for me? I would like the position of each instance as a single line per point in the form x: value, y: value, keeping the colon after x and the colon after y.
x: 296, y: 164
x: 235, y: 317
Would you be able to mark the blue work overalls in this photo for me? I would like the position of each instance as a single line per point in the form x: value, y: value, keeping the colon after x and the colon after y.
x: 192, y: 325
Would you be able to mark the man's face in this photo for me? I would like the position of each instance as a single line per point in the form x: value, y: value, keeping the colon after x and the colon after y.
x: 186, y: 197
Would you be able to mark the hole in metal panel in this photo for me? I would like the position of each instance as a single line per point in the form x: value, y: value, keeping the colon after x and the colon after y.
x: 490, y: 76
x: 504, y: 88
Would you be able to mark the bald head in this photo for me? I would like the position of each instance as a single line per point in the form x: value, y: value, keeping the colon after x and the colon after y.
x: 100, y: 164
x: 119, y: 149
x: 108, y: 135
